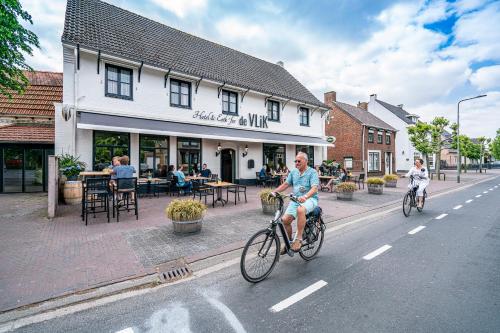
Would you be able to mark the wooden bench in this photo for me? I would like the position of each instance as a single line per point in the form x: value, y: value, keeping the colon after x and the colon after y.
x: 440, y: 173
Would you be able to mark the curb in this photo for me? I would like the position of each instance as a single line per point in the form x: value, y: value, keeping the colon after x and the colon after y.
x: 199, y: 262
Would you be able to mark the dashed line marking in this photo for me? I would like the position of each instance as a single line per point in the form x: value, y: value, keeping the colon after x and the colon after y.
x: 485, y: 192
x: 298, y: 296
x: 491, y: 189
x: 457, y: 207
x: 377, y: 252
x: 469, y: 201
x: 126, y: 330
x: 417, y: 229
x: 441, y: 216
x: 478, y: 196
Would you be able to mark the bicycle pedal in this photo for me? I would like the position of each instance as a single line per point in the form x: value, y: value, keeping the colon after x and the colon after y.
x: 290, y: 253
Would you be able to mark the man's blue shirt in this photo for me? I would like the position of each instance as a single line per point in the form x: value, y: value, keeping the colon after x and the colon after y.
x: 303, y: 183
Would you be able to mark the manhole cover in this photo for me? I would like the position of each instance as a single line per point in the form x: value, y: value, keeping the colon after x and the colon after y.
x: 173, y: 271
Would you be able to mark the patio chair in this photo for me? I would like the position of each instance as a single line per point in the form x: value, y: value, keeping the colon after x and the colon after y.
x: 125, y: 197
x: 163, y: 186
x: 360, y: 180
x: 173, y: 188
x: 237, y: 189
x: 95, y: 197
x: 203, y: 191
x: 258, y: 180
x: 214, y: 177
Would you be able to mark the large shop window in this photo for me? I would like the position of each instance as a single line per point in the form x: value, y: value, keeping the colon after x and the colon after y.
x: 180, y: 94
x: 189, y: 154
x: 373, y: 161
x: 273, y: 111
x: 309, y: 150
x: 304, y: 116
x: 274, y: 155
x: 107, y: 145
x: 229, y: 102
x: 153, y: 155
x: 118, y: 82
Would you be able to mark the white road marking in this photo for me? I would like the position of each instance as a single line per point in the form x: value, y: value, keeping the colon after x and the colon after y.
x: 377, y: 252
x: 441, y: 216
x: 491, y: 189
x: 496, y: 186
x: 417, y: 229
x: 126, y: 330
x: 478, y: 196
x: 469, y: 201
x: 485, y: 192
x: 228, y: 314
x: 298, y: 296
x: 458, y: 207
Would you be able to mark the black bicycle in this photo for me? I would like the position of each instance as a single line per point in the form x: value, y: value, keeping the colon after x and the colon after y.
x: 262, y: 251
x: 410, y: 199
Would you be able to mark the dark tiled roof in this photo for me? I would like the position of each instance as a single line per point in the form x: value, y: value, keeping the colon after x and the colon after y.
x: 38, y: 100
x: 398, y: 111
x: 364, y: 116
x: 27, y: 133
x: 100, y: 26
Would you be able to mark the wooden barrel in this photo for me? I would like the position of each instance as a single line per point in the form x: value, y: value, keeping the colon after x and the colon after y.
x: 73, y: 192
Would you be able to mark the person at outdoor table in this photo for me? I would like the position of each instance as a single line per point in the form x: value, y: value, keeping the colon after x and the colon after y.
x: 124, y: 170
x: 181, y: 179
x: 205, y: 172
x: 171, y: 172
x: 262, y: 172
x: 317, y: 170
x: 114, y: 163
x: 342, y: 175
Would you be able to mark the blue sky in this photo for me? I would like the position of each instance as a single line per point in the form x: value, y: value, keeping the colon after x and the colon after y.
x: 424, y: 54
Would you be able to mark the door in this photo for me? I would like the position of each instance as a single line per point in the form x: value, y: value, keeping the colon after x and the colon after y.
x: 388, y: 163
x: 227, y: 165
x: 33, y: 170
x: 12, y: 169
x: 189, y: 159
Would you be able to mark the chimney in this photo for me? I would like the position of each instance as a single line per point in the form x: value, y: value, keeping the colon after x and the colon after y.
x: 400, y: 106
x: 330, y: 97
x: 281, y: 64
x: 363, y: 105
x: 373, y: 97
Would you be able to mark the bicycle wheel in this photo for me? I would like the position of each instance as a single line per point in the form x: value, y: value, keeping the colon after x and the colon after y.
x: 308, y: 251
x: 260, y: 256
x: 423, y: 202
x: 407, y: 204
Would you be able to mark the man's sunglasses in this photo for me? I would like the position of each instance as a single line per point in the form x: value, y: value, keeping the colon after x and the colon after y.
x: 297, y: 161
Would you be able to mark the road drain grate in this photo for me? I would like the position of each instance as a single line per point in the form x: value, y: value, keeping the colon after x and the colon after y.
x: 173, y: 271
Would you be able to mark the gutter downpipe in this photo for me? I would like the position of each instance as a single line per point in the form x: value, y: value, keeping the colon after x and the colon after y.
x: 363, y: 149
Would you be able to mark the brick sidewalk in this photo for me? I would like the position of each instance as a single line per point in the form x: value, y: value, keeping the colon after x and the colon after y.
x: 42, y: 259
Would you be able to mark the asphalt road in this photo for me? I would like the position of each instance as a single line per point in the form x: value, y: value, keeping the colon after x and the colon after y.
x: 441, y: 278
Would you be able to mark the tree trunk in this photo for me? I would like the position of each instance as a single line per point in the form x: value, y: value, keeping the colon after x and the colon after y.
x: 426, y: 157
x: 481, y: 161
x: 465, y: 165
x: 438, y: 162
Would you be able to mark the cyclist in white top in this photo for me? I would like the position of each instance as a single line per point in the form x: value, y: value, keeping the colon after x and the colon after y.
x: 420, y: 177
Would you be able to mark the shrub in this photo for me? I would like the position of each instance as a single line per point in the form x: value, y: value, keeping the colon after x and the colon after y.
x: 346, y: 187
x: 185, y: 210
x: 265, y: 196
x: 70, y: 165
x: 390, y: 178
x: 375, y: 181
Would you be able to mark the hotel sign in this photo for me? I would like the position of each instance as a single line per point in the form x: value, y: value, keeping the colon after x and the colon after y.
x: 252, y: 120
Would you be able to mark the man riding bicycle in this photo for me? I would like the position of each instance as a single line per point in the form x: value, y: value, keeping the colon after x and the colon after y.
x: 421, y: 178
x: 305, y: 184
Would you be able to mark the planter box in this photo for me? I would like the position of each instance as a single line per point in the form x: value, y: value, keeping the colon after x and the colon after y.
x: 269, y: 209
x: 391, y: 183
x: 187, y: 227
x: 375, y: 189
x: 347, y: 196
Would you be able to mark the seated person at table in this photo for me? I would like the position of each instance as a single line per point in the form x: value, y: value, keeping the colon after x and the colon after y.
x: 124, y: 170
x: 342, y: 175
x: 114, y: 163
x: 163, y: 171
x: 318, y: 171
x: 262, y: 172
x: 205, y: 172
x: 171, y: 172
x: 181, y: 179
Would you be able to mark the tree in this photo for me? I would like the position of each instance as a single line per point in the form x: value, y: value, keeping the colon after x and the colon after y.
x: 14, y: 41
x: 438, y: 126
x: 420, y: 137
x: 495, y: 146
x: 483, y: 142
x: 465, y: 145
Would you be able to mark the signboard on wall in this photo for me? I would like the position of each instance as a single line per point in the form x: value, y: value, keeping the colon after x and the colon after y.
x: 251, y: 120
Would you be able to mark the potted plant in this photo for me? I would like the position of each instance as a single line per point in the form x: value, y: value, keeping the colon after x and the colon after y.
x: 70, y: 167
x: 269, y: 204
x: 186, y: 215
x: 391, y: 180
x: 375, y: 185
x: 345, y: 190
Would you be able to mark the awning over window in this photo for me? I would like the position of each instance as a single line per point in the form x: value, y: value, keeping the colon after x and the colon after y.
x: 106, y: 122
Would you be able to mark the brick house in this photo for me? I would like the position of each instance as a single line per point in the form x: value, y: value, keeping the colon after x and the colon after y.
x: 362, y: 138
x: 27, y: 133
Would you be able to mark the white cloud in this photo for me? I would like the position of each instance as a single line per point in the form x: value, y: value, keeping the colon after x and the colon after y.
x: 433, y: 12
x: 486, y: 77
x: 181, y: 7
x: 236, y: 28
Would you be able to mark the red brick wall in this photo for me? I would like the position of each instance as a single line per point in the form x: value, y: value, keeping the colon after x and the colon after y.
x: 383, y: 148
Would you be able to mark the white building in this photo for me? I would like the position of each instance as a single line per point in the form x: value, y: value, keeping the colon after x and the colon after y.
x: 398, y: 118
x: 164, y: 97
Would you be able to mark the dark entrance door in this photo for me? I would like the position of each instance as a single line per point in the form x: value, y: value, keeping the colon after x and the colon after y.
x: 227, y: 165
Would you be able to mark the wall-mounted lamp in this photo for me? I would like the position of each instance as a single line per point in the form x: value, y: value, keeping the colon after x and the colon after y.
x: 245, y: 153
x: 219, y: 148
x: 402, y: 152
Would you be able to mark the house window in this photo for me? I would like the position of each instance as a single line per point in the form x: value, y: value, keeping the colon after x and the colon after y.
x: 153, y: 155
x: 304, y: 117
x: 388, y: 138
x: 373, y: 161
x: 273, y: 111
x: 118, y: 82
x: 189, y: 154
x: 370, y: 136
x: 348, y: 162
x: 107, y: 145
x: 274, y: 155
x: 180, y: 94
x: 379, y: 137
x: 229, y: 102
x: 309, y: 150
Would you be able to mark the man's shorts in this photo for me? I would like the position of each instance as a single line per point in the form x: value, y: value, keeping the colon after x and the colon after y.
x: 309, y: 205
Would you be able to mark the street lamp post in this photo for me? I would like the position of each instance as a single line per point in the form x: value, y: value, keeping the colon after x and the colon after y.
x: 459, y: 162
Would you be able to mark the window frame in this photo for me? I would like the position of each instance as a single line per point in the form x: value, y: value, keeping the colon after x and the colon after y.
x: 301, y: 111
x: 371, y: 135
x: 142, y: 147
x: 111, y: 147
x: 270, y: 104
x: 387, y: 138
x: 119, y: 82
x: 380, y: 137
x: 229, y: 93
x: 379, y: 166
x: 180, y: 82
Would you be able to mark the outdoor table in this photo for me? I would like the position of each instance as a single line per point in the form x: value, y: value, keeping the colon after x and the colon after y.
x: 148, y: 182
x: 189, y: 178
x: 219, y: 186
x: 84, y: 174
